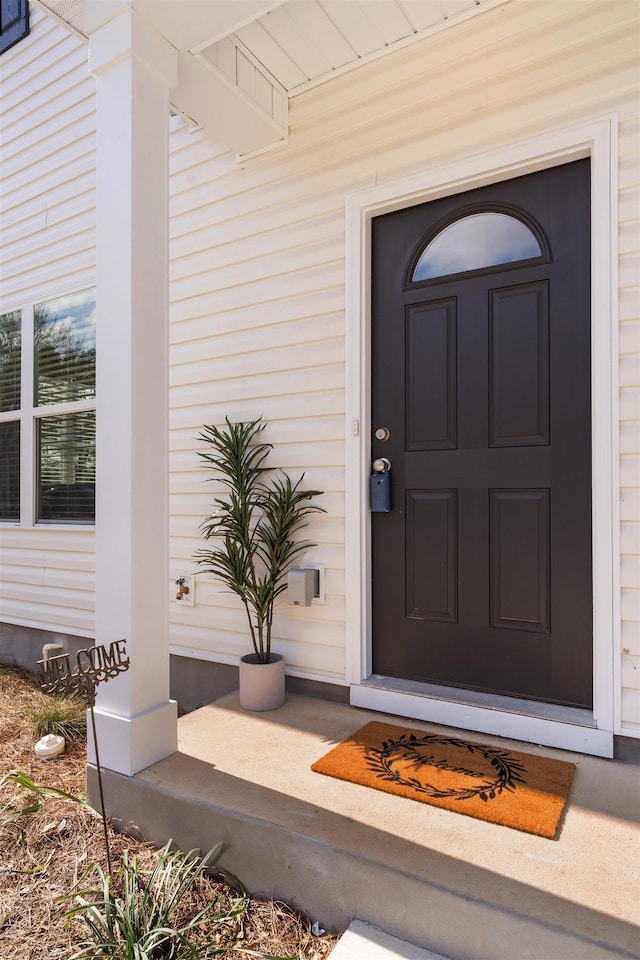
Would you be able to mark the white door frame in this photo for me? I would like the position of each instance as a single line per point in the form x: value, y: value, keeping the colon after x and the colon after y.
x: 574, y: 730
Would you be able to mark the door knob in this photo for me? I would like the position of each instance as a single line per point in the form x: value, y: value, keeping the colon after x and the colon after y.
x: 381, y: 465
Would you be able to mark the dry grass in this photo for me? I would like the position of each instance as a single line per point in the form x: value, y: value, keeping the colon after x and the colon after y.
x: 62, y: 839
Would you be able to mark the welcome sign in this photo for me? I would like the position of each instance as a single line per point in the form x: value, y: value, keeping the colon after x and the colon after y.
x: 93, y: 666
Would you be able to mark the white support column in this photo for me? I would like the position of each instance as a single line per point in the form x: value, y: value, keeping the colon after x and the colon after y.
x: 134, y: 70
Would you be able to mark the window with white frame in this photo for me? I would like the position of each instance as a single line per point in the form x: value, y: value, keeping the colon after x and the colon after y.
x: 48, y: 411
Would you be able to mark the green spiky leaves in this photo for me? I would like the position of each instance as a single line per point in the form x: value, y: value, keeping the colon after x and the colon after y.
x: 252, y: 535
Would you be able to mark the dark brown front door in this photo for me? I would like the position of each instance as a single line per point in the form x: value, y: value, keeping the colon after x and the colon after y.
x: 481, y: 376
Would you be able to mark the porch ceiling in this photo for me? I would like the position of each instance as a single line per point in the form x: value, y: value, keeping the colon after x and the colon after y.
x: 306, y: 42
x: 241, y: 61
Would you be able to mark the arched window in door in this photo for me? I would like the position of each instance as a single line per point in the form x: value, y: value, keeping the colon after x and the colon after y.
x: 477, y: 240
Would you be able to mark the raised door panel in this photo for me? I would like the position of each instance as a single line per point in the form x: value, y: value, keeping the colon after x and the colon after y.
x: 520, y: 563
x: 430, y: 382
x: 519, y: 365
x: 431, y: 560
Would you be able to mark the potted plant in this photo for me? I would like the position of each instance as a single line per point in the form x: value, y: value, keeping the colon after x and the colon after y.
x: 251, y: 543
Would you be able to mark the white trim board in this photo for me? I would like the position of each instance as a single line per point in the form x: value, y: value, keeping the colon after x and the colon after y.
x: 596, y: 139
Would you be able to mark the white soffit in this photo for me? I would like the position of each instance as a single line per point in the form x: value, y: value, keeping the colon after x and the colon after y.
x: 186, y: 24
x: 70, y: 12
x: 241, y: 61
x: 302, y: 43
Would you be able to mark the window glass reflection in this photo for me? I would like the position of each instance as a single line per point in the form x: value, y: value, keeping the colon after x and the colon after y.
x: 10, y: 470
x: 67, y: 466
x: 479, y: 240
x: 65, y: 349
x: 10, y: 361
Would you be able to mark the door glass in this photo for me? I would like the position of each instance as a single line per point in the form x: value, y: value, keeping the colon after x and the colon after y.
x: 476, y: 241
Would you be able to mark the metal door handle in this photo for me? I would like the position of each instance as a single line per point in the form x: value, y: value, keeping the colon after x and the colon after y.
x: 381, y: 465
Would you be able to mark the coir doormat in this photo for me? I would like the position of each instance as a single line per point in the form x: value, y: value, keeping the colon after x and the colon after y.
x: 514, y: 789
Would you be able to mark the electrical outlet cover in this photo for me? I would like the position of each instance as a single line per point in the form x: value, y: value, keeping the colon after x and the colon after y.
x: 320, y: 568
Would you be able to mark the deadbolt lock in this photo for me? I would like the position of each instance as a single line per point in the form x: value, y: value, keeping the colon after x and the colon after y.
x: 382, y: 433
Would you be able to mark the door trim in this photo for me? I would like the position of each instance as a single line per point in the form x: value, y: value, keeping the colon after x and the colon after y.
x: 583, y: 731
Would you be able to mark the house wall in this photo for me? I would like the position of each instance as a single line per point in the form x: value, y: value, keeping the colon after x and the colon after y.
x: 257, y: 280
x: 47, y: 248
x: 257, y: 260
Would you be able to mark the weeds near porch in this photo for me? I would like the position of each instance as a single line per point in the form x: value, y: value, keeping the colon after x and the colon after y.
x: 64, y: 716
x: 29, y: 800
x: 147, y: 918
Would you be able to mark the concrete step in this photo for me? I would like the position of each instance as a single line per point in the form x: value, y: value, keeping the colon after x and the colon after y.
x: 362, y: 941
x: 463, y: 888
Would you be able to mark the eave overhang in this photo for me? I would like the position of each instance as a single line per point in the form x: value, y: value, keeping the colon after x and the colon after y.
x: 241, y: 61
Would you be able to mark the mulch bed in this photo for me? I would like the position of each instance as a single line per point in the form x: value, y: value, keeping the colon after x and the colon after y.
x: 62, y: 839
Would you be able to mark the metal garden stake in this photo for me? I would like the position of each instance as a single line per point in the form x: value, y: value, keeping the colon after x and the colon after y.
x: 95, y: 665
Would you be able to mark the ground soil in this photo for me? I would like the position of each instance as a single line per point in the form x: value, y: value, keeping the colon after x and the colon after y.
x: 45, y: 853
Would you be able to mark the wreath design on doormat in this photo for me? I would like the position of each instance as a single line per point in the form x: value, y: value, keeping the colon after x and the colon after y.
x: 380, y: 761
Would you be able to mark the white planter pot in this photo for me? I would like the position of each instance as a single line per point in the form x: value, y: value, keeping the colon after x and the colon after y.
x: 261, y: 684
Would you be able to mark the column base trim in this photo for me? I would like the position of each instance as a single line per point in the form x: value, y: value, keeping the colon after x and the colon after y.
x: 129, y: 744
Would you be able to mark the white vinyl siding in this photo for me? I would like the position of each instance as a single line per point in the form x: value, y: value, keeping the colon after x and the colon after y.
x: 48, y: 579
x: 257, y: 328
x: 47, y: 248
x: 257, y: 268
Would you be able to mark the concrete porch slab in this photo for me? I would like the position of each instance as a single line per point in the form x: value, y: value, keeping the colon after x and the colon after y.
x: 463, y: 888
